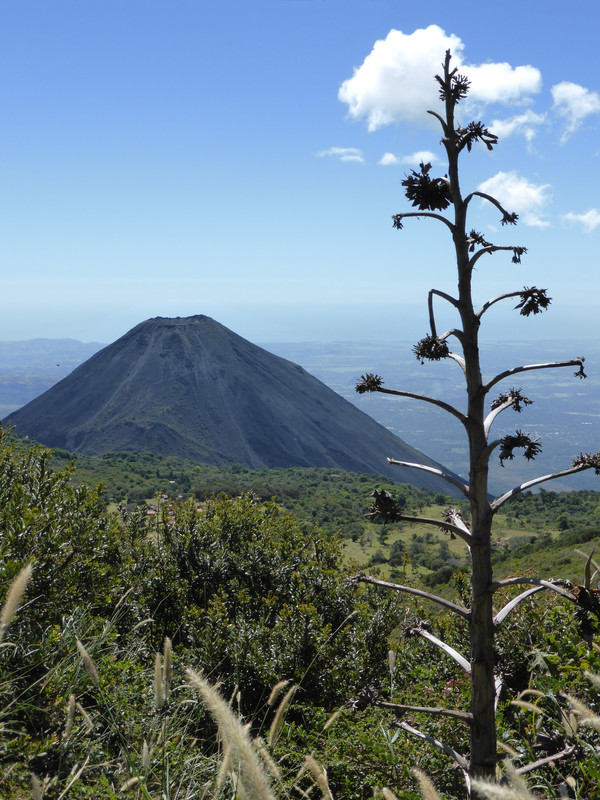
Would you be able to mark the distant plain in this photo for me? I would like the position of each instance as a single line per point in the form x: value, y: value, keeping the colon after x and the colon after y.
x: 565, y: 414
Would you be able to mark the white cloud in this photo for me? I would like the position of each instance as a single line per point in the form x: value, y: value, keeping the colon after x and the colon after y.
x: 588, y: 221
x: 344, y: 154
x: 395, y: 82
x: 518, y: 194
x: 413, y: 160
x: 574, y: 103
x: 389, y: 160
x: 501, y: 83
x: 525, y: 124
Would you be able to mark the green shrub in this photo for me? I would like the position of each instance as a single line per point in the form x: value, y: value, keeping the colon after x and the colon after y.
x: 254, y: 597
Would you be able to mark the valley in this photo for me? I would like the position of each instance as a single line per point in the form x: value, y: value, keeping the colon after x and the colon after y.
x: 540, y: 531
x: 249, y: 590
x: 565, y: 414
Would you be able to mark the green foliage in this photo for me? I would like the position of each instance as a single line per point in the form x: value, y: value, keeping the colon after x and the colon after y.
x: 256, y: 598
x: 249, y: 595
x: 63, y: 530
x: 71, y: 731
x: 337, y: 502
x: 553, y: 661
x: 397, y: 553
x: 330, y: 498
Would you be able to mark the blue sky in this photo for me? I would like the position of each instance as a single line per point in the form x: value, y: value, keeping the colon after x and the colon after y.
x: 242, y: 159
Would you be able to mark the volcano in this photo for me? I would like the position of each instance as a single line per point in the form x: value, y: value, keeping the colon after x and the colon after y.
x: 192, y: 388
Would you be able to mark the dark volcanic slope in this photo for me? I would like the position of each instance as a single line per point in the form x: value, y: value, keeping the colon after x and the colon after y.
x: 192, y: 388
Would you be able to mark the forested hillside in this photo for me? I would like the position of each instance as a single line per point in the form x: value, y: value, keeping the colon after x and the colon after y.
x: 93, y: 691
x: 189, y: 386
x: 28, y: 369
x: 543, y: 527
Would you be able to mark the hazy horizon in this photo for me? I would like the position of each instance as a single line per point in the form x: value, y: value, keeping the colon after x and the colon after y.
x: 565, y: 415
x: 388, y: 323
x: 244, y: 160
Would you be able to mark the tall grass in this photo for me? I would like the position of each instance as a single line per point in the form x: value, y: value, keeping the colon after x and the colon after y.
x: 253, y: 782
x: 13, y: 599
x: 121, y: 720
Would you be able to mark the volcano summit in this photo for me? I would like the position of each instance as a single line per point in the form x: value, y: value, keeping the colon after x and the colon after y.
x: 192, y: 388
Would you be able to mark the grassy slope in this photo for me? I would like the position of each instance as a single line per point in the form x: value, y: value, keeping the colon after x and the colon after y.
x: 360, y: 745
x: 535, y: 531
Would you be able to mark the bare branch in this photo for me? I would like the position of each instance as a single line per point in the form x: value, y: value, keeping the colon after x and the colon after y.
x: 505, y: 611
x: 541, y: 762
x: 399, y: 217
x: 488, y: 424
x: 507, y: 218
x: 453, y: 521
x: 517, y: 252
x: 450, y: 651
x: 533, y: 301
x: 385, y: 508
x: 498, y: 684
x: 448, y: 297
x: 463, y: 534
x: 453, y: 332
x: 511, y: 399
x: 464, y: 488
x: 489, y: 303
x: 398, y: 587
x: 441, y: 120
x: 485, y: 455
x: 574, y: 362
x: 373, y: 383
x: 552, y: 586
x: 459, y: 360
x: 499, y: 501
x: 464, y: 716
x: 444, y: 748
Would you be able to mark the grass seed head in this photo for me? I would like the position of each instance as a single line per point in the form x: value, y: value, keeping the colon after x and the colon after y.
x: 267, y: 759
x: 277, y: 723
x: 276, y: 691
x: 516, y: 789
x: 167, y: 666
x: 584, y: 714
x: 319, y: 776
x: 13, y: 598
x: 428, y: 790
x: 88, y: 663
x: 37, y: 792
x: 253, y: 780
x: 86, y: 717
x: 70, y: 717
x: 332, y: 719
x: 130, y: 784
x: 159, y: 693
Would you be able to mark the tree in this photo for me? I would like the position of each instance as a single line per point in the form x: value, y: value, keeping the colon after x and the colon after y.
x: 431, y: 196
x: 63, y: 530
x: 396, y: 553
x: 253, y: 596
